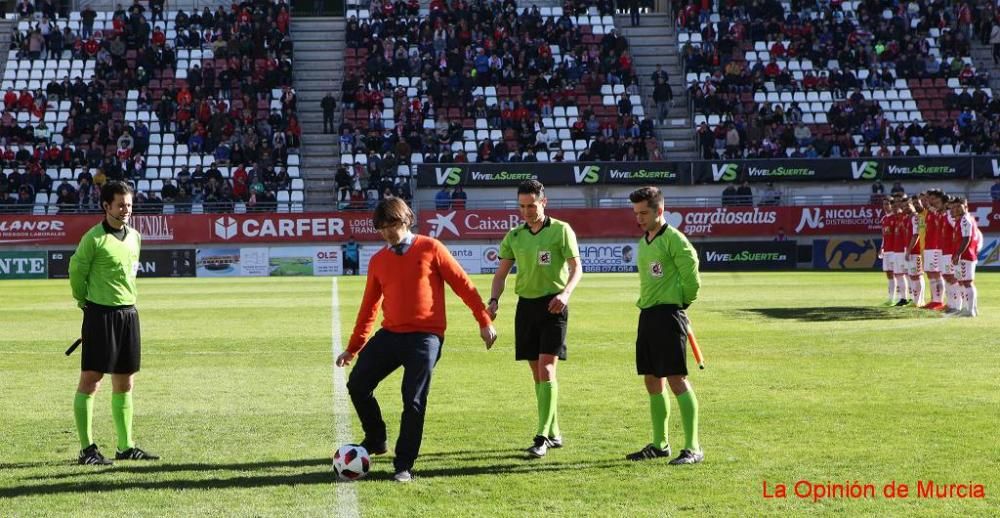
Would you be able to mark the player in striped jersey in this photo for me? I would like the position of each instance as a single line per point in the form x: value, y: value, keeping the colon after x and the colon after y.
x: 901, y: 225
x: 913, y: 253
x: 969, y: 239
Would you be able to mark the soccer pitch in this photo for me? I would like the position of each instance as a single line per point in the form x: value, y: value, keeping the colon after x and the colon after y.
x: 806, y: 380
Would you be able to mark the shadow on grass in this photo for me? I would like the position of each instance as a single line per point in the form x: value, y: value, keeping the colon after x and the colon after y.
x: 93, y: 484
x: 130, y: 467
x: 837, y: 313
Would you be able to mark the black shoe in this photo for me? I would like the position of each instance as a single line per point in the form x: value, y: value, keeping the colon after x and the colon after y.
x: 901, y: 303
x: 649, y: 452
x: 135, y: 454
x: 555, y: 441
x: 541, y: 446
x: 688, y: 457
x: 91, y: 455
x: 375, y: 448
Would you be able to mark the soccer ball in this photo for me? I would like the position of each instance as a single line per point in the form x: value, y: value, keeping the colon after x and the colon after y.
x: 351, y: 462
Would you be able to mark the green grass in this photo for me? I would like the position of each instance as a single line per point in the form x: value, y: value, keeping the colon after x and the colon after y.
x: 806, y: 379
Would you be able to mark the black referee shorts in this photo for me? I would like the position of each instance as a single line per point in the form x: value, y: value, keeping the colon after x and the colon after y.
x: 111, y: 341
x: 536, y: 331
x: 661, y: 344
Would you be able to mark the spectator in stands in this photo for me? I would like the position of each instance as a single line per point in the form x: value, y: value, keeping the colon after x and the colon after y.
x: 6, y: 202
x: 328, y: 104
x: 544, y: 139
x: 729, y: 195
x: 25, y: 9
x: 995, y: 41
x: 897, y: 188
x: 344, y: 183
x: 771, y: 196
x: 744, y: 195
x: 169, y: 191
x: 995, y: 192
x: 633, y: 12
x: 458, y: 198
x: 803, y: 135
x: 663, y: 97
x: 780, y: 236
x: 25, y: 200
x: 442, y: 200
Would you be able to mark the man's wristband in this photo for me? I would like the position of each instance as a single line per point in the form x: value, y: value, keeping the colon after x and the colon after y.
x: 492, y: 300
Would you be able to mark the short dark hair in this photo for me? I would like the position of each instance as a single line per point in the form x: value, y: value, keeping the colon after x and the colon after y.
x: 649, y: 194
x: 391, y: 212
x: 960, y: 200
x: 531, y: 187
x: 113, y: 187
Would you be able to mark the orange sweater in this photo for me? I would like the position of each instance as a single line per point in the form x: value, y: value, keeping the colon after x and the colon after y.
x: 410, y: 289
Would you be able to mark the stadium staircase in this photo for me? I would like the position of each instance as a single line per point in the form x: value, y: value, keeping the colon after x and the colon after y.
x: 6, y: 31
x: 982, y: 56
x: 319, y: 69
x: 655, y: 42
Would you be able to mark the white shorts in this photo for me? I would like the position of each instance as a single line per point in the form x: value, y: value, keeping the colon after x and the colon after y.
x: 888, y: 259
x: 899, y: 265
x: 932, y: 261
x: 966, y: 270
x: 947, y: 267
x: 915, y: 266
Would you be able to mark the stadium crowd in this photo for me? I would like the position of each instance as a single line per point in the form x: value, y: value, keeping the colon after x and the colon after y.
x: 216, y: 103
x: 471, y: 66
x: 919, y: 46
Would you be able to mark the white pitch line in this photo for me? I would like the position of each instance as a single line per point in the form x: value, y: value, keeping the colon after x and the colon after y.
x: 347, y: 495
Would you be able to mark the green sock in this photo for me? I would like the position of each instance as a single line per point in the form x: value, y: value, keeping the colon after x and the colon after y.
x: 545, y: 407
x: 554, y: 422
x: 83, y: 413
x: 121, y: 411
x: 659, y: 412
x: 689, y: 416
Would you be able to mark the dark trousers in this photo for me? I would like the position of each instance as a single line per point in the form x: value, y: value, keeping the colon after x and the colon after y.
x: 328, y: 122
x: 417, y: 353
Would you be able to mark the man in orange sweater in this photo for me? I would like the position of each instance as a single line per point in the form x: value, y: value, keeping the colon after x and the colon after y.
x: 407, y: 280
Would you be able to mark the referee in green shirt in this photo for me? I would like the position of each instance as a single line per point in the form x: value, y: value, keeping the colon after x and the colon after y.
x: 548, y: 263
x: 102, y: 275
x: 668, y: 284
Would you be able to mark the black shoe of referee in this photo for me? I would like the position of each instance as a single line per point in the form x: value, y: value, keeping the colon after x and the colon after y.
x: 92, y: 456
x: 135, y: 454
x: 902, y: 302
x: 688, y: 457
x: 649, y: 452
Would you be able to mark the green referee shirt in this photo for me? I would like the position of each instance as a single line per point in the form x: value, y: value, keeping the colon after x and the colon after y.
x: 103, y: 269
x: 668, y: 269
x: 540, y: 257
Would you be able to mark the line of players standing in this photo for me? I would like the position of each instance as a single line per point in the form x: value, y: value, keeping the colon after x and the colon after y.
x: 931, y: 232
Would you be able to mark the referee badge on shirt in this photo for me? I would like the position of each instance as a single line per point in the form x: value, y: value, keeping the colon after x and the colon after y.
x: 544, y: 258
x: 656, y: 269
